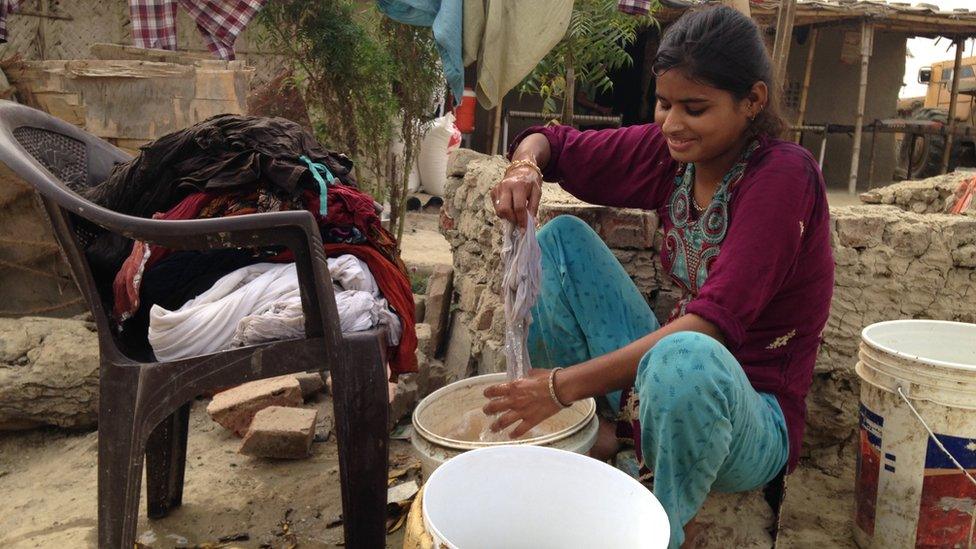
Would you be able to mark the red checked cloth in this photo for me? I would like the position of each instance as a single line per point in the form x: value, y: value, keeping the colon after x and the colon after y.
x: 634, y: 7
x: 6, y: 8
x: 220, y: 22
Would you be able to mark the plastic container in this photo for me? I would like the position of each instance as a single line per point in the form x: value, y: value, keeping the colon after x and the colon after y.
x: 573, y: 429
x: 465, y: 111
x: 908, y: 492
x: 537, y: 497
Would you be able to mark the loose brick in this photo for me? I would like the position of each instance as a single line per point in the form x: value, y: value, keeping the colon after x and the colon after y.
x: 440, y: 291
x: 310, y: 383
x: 280, y: 432
x: 235, y: 408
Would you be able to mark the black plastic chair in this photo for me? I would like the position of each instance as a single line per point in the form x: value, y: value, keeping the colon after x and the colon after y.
x: 144, y: 404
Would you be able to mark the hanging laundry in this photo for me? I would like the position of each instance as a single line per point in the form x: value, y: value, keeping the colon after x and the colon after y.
x: 255, y: 304
x: 508, y: 39
x: 6, y: 8
x: 634, y: 7
x: 219, y: 21
x: 445, y: 19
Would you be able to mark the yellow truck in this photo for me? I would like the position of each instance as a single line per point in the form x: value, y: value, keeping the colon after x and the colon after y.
x: 921, y: 155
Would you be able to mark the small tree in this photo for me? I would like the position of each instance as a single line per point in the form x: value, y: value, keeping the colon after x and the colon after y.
x: 360, y: 73
x: 595, y: 44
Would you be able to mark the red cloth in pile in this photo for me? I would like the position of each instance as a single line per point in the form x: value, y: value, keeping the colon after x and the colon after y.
x: 125, y: 287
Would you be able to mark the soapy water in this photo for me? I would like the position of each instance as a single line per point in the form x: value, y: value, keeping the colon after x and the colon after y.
x: 474, y: 425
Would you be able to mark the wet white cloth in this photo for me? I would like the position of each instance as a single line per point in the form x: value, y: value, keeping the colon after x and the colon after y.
x: 522, y: 271
x: 261, y: 303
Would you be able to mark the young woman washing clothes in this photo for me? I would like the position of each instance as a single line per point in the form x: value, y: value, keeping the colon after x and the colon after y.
x: 716, y: 395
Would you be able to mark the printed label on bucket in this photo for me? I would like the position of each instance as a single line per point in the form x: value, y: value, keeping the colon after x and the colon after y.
x: 948, y: 497
x: 868, y: 468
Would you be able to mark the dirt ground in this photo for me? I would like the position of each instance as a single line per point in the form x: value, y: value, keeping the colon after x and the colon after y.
x: 47, y: 478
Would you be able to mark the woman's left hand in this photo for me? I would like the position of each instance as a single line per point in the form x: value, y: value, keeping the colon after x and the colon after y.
x: 526, y: 400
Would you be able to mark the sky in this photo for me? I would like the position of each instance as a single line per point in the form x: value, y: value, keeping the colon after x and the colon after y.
x: 927, y: 51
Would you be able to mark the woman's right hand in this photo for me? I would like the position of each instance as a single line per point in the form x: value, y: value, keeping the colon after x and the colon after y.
x: 520, y: 190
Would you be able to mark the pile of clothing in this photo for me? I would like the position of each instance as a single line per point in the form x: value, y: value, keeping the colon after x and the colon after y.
x: 188, y: 303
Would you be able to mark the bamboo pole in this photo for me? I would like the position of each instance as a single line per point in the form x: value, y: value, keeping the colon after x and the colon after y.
x: 874, y: 148
x: 784, y: 36
x: 807, y: 73
x: 953, y: 101
x: 867, y: 43
x: 569, y: 102
x: 497, y: 130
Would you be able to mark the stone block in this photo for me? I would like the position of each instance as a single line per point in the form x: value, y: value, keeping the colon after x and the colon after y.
x: 469, y: 294
x: 48, y: 373
x: 483, y: 320
x: 965, y: 256
x: 492, y: 359
x: 419, y: 307
x: 310, y: 383
x: 458, y: 360
x: 860, y: 231
x: 433, y: 376
x: 628, y: 228
x: 280, y: 432
x: 459, y: 159
x: 235, y: 408
x: 424, y: 339
x: 404, y: 398
x: 440, y: 292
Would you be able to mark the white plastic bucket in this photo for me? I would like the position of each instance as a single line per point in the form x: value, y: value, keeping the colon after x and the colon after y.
x: 908, y: 492
x: 573, y: 429
x: 537, y: 497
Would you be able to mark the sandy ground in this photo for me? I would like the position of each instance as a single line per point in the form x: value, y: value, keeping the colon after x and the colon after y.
x: 51, y: 502
x: 47, y: 479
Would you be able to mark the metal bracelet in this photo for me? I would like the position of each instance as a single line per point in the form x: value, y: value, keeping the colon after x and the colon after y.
x: 524, y: 162
x: 552, y: 388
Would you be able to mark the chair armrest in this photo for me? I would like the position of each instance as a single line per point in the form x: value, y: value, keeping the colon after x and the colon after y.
x: 297, y: 230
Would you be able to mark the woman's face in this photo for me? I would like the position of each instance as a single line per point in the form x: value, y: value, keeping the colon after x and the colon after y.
x: 701, y: 123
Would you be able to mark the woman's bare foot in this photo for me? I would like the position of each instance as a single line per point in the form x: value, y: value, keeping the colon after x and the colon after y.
x: 607, y: 444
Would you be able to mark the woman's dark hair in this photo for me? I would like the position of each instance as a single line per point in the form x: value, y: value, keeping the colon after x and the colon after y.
x: 723, y: 48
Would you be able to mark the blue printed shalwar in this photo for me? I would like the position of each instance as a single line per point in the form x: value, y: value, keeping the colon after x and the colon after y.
x: 702, y: 425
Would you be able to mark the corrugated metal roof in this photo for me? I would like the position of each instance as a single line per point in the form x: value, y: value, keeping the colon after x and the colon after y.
x: 920, y: 19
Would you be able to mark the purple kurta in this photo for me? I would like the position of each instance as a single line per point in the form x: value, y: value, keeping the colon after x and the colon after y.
x: 763, y: 276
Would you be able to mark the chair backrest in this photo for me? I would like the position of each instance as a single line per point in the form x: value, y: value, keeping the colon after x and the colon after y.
x: 58, y: 160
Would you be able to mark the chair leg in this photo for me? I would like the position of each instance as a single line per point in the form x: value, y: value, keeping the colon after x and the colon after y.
x: 166, y: 463
x: 361, y: 410
x: 120, y: 453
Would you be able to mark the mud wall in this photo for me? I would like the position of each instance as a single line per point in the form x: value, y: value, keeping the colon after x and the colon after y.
x: 890, y: 264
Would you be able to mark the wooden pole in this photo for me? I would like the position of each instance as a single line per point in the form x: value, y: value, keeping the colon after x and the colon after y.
x: 807, y: 73
x: 784, y: 36
x: 497, y: 131
x: 953, y: 101
x: 570, y: 100
x: 874, y: 148
x: 867, y: 43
